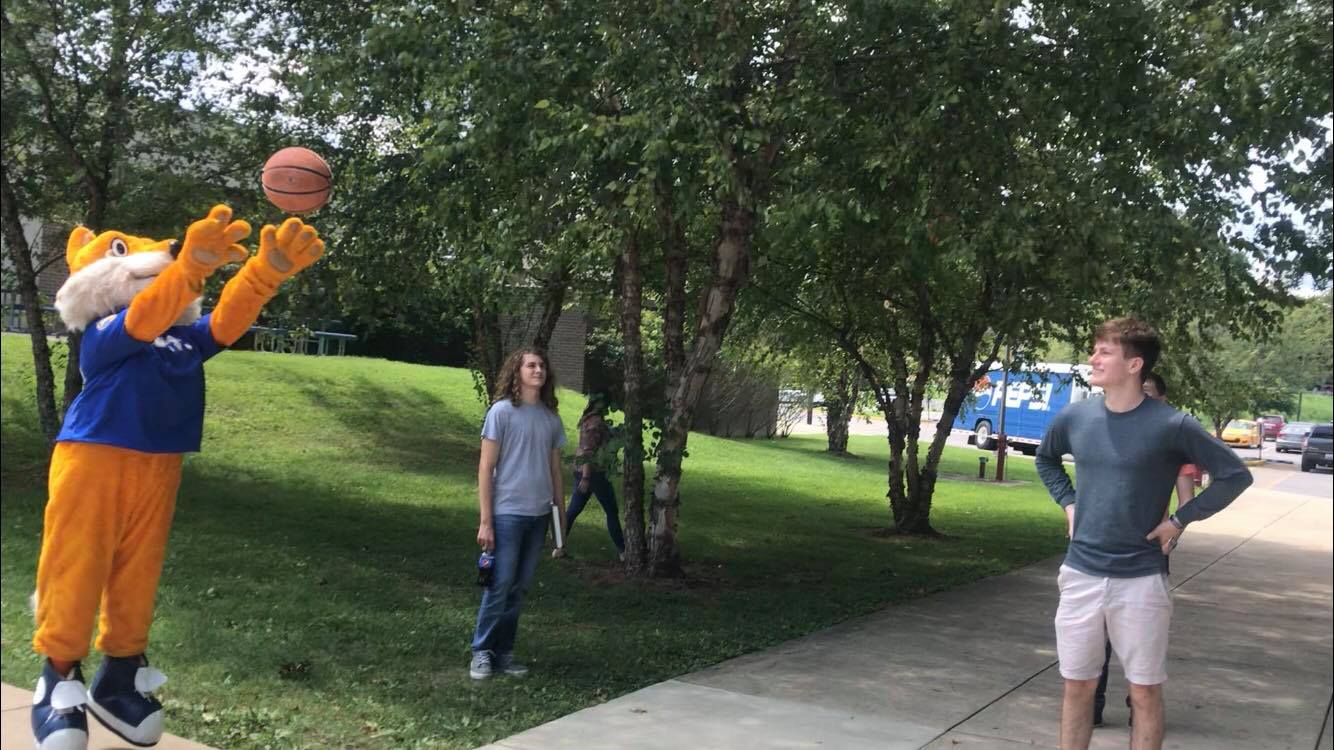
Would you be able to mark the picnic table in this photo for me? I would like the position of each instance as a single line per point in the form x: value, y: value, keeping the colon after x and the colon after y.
x: 298, y: 341
x: 16, y: 318
x: 267, y: 339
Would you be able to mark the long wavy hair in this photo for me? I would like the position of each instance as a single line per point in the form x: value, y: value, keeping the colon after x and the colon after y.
x: 509, y: 384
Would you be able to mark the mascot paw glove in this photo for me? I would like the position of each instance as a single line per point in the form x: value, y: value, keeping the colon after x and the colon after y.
x: 286, y: 250
x: 212, y: 243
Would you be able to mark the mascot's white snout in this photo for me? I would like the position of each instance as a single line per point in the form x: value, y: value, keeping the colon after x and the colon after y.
x: 108, y: 285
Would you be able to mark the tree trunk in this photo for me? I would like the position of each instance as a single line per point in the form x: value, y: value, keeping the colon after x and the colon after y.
x: 553, y: 300
x: 115, y: 133
x: 915, y: 517
x: 896, y: 492
x: 730, y: 270
x: 632, y: 486
x: 911, y: 483
x: 73, y: 375
x: 21, y: 255
x: 674, y: 287
x: 894, y: 409
x: 839, y: 409
x: 963, y: 374
x: 731, y: 267
x: 487, y: 353
x: 98, y: 200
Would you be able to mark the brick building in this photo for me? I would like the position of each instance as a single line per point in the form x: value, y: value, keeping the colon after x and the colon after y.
x: 566, y: 348
x: 47, y: 242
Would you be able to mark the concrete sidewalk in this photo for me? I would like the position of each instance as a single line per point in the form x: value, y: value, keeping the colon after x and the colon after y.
x: 16, y: 732
x: 1251, y: 660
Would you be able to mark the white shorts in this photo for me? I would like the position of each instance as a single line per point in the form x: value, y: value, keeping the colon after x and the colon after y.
x: 1134, y: 613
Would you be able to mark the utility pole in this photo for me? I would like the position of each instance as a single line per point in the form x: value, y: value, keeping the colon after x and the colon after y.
x: 1302, y: 388
x: 1004, y: 443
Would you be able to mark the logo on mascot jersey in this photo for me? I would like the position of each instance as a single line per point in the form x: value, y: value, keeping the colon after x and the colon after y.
x: 172, y: 343
x: 106, y: 322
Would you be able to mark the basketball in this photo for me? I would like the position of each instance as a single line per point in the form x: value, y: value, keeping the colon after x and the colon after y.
x: 297, y: 180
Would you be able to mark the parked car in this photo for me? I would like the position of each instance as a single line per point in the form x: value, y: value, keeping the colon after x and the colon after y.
x: 1319, y: 447
x: 1270, y: 425
x: 1243, y: 433
x: 1293, y: 435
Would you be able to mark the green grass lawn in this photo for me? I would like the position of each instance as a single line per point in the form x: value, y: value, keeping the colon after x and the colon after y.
x: 1316, y: 407
x: 320, y: 586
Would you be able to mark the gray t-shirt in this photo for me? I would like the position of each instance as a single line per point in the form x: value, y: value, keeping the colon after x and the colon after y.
x: 526, y: 434
x: 1127, y: 464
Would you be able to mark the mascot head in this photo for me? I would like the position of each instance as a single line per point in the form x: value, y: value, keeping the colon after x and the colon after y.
x: 107, y: 270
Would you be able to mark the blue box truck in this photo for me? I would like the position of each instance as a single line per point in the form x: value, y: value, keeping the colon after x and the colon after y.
x: 1034, y: 395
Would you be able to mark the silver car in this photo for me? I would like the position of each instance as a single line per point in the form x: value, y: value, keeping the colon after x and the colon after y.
x: 1290, y: 439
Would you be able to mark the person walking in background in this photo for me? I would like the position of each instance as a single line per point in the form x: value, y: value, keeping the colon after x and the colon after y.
x: 1128, y: 452
x: 590, y: 471
x: 1155, y: 388
x: 518, y: 480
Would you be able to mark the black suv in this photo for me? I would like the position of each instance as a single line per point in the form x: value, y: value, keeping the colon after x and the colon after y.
x: 1318, y: 450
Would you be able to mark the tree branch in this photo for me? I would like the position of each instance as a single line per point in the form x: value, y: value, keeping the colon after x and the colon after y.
x: 63, y: 134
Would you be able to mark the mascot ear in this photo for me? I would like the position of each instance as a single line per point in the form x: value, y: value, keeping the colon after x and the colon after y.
x: 77, y: 239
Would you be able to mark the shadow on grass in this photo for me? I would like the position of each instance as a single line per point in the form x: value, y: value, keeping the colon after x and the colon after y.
x: 956, y: 462
x: 22, y: 450
x: 253, y: 554
x: 413, y: 429
x: 806, y: 446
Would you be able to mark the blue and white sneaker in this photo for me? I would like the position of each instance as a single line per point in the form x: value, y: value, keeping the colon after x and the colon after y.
x: 121, y: 699
x: 59, y: 718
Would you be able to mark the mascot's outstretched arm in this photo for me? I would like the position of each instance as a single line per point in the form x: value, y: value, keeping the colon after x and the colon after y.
x: 283, y: 251
x: 209, y: 244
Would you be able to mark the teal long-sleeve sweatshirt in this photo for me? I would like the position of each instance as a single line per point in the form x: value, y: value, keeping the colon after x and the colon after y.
x: 1127, y: 464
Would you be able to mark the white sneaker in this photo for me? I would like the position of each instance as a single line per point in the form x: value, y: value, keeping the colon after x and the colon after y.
x: 481, y: 667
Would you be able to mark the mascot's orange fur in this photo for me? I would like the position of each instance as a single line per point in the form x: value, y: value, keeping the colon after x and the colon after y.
x: 117, y: 460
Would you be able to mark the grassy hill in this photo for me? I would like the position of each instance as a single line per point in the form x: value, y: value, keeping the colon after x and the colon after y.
x: 320, y: 588
x: 1316, y: 407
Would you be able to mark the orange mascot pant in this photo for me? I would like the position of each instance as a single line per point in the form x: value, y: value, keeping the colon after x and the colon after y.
x: 104, y: 540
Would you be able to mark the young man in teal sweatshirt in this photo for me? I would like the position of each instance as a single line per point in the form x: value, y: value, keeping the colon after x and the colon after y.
x: 1128, y: 450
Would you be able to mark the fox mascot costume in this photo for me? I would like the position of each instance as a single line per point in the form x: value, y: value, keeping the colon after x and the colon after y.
x: 117, y: 461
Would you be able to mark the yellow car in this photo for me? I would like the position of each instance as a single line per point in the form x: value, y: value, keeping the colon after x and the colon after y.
x: 1243, y: 433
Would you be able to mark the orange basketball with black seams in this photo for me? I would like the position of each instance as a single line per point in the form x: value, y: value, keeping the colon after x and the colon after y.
x: 297, y: 180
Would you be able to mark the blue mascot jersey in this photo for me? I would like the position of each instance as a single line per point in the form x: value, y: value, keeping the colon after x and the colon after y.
x: 147, y: 397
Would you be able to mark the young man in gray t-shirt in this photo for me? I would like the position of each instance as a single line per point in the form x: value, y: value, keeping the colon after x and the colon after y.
x: 1128, y: 450
x: 518, y: 480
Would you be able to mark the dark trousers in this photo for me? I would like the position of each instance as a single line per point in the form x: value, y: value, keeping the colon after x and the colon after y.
x: 1100, y: 697
x: 598, y: 486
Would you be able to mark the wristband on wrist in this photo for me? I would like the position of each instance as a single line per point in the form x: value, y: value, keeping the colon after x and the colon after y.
x: 1176, y: 522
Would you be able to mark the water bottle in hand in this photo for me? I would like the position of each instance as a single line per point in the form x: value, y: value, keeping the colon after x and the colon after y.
x: 486, y: 568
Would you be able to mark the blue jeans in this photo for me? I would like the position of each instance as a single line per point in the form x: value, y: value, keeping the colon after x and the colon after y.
x: 519, y: 542
x: 597, y: 485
